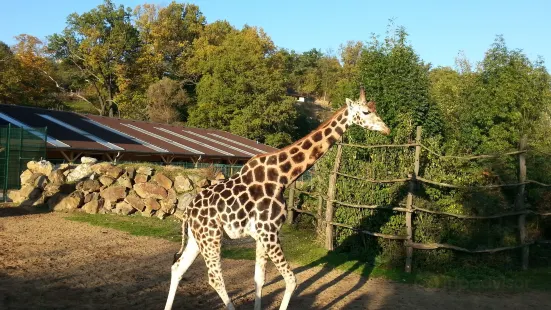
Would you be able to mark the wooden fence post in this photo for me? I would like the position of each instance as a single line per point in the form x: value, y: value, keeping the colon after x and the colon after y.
x: 331, y: 190
x: 291, y: 203
x: 319, y: 222
x: 519, y: 202
x: 409, y: 203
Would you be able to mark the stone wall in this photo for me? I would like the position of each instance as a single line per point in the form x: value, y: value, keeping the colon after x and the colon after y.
x: 94, y: 187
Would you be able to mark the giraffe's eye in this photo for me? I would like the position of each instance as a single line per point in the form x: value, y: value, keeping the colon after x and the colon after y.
x: 365, y: 112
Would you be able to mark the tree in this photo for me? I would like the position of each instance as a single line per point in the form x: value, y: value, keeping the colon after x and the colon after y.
x: 346, y: 83
x: 242, y: 88
x: 398, y: 80
x: 505, y: 98
x: 167, y: 35
x: 10, y: 76
x: 102, y: 44
x: 165, y: 100
x: 36, y: 83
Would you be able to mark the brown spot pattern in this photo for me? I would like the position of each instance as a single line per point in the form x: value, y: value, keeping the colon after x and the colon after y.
x: 298, y: 158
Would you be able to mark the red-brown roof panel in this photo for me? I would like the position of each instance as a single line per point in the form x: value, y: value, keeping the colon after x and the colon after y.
x: 92, y: 132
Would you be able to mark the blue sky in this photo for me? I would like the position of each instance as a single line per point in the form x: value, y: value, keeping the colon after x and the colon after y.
x: 438, y: 29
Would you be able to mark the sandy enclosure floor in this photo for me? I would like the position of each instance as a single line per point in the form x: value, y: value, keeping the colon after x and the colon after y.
x: 48, y: 262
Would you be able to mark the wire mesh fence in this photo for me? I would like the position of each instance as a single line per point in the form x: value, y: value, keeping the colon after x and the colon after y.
x: 18, y: 146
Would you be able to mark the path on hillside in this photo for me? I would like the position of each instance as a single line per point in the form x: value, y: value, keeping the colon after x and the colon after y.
x: 48, y: 262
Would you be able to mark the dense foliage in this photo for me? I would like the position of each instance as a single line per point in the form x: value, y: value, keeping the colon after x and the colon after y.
x: 467, y: 112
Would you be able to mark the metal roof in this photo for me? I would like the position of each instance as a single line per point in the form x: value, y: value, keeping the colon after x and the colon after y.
x: 84, y: 132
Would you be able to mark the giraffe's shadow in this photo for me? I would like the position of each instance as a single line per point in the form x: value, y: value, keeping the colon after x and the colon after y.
x: 308, y: 289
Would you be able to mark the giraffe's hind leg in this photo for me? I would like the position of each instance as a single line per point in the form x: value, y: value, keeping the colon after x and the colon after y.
x: 210, y: 247
x: 181, y: 266
x: 270, y: 242
x: 259, y: 273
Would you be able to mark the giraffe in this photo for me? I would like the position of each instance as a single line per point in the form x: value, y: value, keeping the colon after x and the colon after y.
x: 251, y: 203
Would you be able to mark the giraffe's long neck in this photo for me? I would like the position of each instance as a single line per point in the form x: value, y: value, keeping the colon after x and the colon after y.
x: 292, y: 161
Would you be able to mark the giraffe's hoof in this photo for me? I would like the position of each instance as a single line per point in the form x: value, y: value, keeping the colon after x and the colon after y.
x: 176, y: 257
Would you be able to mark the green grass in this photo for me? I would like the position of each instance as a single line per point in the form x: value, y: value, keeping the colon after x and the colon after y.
x: 80, y: 106
x: 135, y: 225
x: 300, y: 248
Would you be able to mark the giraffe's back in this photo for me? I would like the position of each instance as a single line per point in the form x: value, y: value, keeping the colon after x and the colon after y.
x: 240, y: 206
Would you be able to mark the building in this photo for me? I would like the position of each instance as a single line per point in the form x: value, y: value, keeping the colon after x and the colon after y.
x: 71, y: 135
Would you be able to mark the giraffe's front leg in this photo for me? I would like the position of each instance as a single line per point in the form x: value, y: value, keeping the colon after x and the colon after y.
x: 259, y: 273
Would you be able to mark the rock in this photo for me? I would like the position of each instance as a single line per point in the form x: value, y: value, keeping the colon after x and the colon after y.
x: 69, y: 203
x: 162, y: 180
x: 43, y: 166
x: 113, y: 193
x: 87, y: 186
x: 25, y: 176
x: 51, y: 189
x: 182, y: 184
x: 150, y: 190
x: 108, y: 205
x: 63, y: 167
x: 114, y: 172
x: 145, y: 170
x: 38, y: 180
x: 195, y: 178
x: 105, y: 180
x: 152, y: 203
x: 27, y: 192
x: 203, y: 183
x: 147, y: 212
x: 88, y: 160
x: 185, y: 200
x: 161, y: 214
x: 220, y: 176
x: 15, y: 196
x: 124, y: 181
x: 135, y: 201
x: 91, y: 196
x: 93, y: 206
x: 130, y: 172
x: 171, y: 194
x: 101, y: 168
x: 124, y: 208
x: 57, y: 177
x: 141, y: 178
x: 168, y: 206
x: 67, y: 172
x: 80, y: 172
x: 55, y: 199
x: 179, y: 214
x: 30, y: 192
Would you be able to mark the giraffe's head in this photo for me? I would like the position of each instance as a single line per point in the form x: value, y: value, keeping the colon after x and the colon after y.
x: 363, y: 113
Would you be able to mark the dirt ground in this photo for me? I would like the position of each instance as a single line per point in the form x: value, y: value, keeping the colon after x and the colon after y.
x: 48, y: 262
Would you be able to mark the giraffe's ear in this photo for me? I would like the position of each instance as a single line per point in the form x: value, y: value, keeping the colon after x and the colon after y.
x: 349, y: 102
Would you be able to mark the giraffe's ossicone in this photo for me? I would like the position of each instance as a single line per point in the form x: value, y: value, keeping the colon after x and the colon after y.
x: 251, y: 203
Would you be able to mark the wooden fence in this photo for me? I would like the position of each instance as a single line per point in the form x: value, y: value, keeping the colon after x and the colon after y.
x: 326, y: 222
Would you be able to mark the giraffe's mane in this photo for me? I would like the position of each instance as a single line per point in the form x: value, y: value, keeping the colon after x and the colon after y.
x: 321, y: 126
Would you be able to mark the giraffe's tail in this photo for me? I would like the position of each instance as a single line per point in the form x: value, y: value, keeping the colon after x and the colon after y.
x: 184, y: 229
x: 179, y: 253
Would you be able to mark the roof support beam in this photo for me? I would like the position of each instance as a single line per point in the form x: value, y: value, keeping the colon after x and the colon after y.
x: 70, y: 157
x: 167, y: 159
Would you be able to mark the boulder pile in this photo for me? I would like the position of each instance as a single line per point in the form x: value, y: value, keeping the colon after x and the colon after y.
x: 102, y: 187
